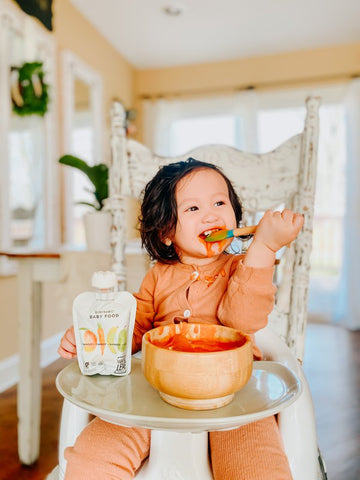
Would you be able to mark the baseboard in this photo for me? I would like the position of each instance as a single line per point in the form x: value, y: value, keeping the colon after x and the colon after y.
x: 9, y: 373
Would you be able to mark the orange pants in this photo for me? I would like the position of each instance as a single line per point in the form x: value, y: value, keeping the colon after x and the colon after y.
x: 109, y: 452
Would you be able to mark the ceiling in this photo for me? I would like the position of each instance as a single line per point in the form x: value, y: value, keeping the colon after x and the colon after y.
x: 213, y: 30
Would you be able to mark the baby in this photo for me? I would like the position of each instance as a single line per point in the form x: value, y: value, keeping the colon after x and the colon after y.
x: 196, y: 282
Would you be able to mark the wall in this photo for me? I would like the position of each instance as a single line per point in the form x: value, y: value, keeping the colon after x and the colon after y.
x: 73, y: 32
x: 295, y: 68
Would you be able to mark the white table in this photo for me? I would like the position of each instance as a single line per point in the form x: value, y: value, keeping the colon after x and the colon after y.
x: 34, y: 270
x: 177, y: 433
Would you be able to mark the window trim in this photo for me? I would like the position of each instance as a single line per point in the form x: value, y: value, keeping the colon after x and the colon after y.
x: 74, y: 67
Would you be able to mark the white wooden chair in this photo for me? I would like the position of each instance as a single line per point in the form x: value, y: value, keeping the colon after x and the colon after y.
x: 284, y: 177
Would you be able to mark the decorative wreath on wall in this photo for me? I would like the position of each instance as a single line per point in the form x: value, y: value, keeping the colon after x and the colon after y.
x: 29, y: 92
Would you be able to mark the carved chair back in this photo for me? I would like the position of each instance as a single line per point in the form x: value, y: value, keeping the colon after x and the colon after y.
x: 284, y: 177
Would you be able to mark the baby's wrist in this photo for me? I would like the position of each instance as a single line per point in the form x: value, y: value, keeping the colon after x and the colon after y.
x: 264, y: 246
x: 259, y: 254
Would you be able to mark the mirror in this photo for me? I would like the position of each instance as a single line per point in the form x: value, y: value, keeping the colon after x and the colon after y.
x: 82, y: 93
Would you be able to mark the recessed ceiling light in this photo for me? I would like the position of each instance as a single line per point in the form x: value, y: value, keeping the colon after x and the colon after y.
x: 173, y: 9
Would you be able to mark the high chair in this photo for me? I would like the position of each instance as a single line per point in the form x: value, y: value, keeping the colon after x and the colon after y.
x: 284, y: 177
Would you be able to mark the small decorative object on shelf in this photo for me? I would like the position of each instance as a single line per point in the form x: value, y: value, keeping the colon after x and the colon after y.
x: 29, y: 92
x: 130, y: 116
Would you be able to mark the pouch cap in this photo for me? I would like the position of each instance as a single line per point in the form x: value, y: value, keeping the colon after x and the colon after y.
x: 103, y: 280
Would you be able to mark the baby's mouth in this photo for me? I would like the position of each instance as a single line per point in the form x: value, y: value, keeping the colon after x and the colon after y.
x: 206, y: 233
x: 212, y: 248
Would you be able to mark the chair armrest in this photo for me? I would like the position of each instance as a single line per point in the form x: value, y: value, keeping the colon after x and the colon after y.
x: 275, y: 349
x: 297, y: 422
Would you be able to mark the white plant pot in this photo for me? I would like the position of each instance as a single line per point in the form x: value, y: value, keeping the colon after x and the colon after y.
x: 97, y: 230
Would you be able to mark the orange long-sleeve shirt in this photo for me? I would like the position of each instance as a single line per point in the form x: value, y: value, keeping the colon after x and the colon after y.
x: 224, y: 292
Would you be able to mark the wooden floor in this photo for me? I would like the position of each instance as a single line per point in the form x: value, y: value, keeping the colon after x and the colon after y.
x: 332, y: 366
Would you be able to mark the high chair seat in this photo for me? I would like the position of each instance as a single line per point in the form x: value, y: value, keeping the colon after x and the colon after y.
x: 179, y: 449
x: 282, y: 178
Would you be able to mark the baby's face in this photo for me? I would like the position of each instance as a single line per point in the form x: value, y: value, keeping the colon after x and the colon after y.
x: 203, y: 205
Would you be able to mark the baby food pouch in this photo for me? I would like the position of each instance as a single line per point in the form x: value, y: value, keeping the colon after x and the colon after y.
x: 104, y: 324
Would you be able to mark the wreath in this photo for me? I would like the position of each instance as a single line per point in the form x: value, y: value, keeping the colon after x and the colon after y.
x: 29, y: 92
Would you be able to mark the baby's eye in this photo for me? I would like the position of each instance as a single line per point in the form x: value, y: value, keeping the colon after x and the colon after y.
x: 219, y: 203
x: 192, y: 209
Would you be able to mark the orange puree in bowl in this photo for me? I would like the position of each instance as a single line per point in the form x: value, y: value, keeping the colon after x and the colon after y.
x: 181, y: 343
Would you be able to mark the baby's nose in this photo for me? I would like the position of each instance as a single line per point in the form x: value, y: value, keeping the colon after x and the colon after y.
x: 210, y: 216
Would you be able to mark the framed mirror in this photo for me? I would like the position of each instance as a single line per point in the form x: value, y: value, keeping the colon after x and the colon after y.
x: 82, y: 112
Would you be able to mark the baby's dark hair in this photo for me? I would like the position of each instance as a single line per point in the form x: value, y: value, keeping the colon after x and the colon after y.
x: 158, y: 216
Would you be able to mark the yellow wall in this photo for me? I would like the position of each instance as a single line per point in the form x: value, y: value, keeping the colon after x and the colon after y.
x: 288, y: 69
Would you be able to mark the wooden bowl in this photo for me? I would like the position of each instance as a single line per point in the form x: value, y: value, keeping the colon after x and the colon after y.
x: 177, y: 362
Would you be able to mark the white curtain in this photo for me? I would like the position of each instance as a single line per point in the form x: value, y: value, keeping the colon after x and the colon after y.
x: 159, y: 115
x: 348, y: 305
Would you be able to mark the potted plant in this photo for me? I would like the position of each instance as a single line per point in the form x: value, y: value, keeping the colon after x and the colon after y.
x: 98, y: 221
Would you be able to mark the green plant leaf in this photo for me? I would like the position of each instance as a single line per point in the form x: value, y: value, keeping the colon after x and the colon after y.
x: 35, y: 100
x: 97, y: 174
x: 88, y: 204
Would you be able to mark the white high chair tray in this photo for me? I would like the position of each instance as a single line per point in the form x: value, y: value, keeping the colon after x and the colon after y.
x: 132, y: 401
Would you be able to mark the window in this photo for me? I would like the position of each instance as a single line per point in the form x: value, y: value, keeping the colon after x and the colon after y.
x: 274, y: 118
x: 328, y: 231
x: 189, y: 133
x: 82, y: 142
x: 276, y: 125
x: 28, y: 188
x: 26, y: 171
x: 82, y: 88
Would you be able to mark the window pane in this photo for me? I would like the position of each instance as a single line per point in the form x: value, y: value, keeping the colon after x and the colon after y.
x: 326, y: 257
x: 188, y: 133
x: 82, y: 141
x: 26, y: 164
x: 82, y: 187
x: 275, y: 126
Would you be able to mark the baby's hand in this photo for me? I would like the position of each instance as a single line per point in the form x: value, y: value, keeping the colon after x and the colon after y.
x: 67, y: 348
x: 277, y: 229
